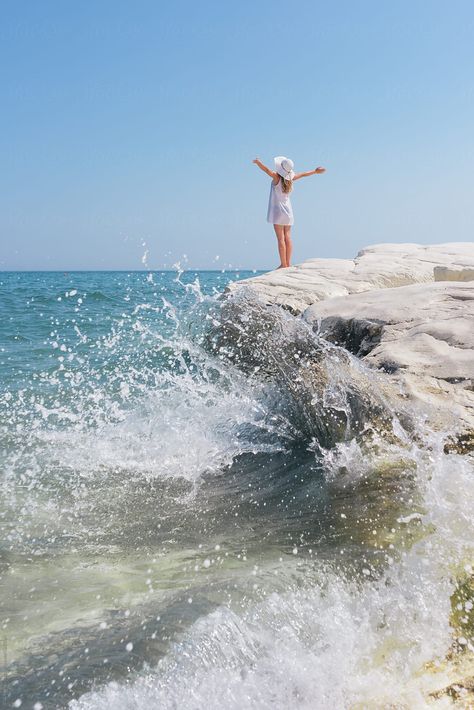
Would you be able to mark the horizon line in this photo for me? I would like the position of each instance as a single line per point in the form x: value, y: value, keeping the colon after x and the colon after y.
x: 125, y: 271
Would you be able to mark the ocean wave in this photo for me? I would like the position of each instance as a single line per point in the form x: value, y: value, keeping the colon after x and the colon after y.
x: 272, y: 485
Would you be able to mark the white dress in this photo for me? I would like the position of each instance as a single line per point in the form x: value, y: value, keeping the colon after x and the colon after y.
x: 279, y: 206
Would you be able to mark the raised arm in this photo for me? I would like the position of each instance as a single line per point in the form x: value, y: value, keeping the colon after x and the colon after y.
x: 263, y: 167
x: 317, y: 171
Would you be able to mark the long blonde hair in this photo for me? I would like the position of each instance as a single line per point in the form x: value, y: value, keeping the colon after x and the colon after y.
x: 286, y: 185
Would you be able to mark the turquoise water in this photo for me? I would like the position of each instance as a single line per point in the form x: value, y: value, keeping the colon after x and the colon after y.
x: 183, y: 525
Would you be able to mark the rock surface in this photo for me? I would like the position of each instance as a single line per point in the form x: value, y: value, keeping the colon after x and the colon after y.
x: 425, y: 329
x: 374, y: 267
x: 404, y: 309
x: 453, y: 273
x: 422, y: 335
x: 407, y: 312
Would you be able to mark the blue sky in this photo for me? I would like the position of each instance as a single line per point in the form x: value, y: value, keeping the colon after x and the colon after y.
x: 124, y: 124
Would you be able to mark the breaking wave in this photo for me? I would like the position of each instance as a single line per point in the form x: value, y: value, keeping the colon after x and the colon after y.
x: 207, y: 505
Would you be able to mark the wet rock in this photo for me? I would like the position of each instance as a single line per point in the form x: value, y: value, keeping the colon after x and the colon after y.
x: 422, y: 336
x: 405, y: 310
x: 330, y: 395
x: 423, y: 329
x: 461, y: 690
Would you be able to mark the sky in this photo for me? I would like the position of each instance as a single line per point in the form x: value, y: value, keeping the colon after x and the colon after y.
x: 128, y: 130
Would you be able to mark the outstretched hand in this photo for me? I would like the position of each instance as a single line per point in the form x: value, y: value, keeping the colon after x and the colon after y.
x: 256, y: 161
x: 320, y: 170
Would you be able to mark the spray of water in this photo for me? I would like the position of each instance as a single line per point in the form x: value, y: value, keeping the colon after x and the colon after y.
x: 296, y: 536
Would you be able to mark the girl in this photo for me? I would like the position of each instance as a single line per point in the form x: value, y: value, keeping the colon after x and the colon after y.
x: 280, y: 212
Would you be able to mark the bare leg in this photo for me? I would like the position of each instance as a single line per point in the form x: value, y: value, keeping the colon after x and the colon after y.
x: 288, y: 244
x: 280, y: 233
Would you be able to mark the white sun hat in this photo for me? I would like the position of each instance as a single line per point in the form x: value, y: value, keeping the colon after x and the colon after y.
x: 284, y: 167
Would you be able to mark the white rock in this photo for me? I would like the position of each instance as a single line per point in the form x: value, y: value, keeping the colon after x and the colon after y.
x: 452, y: 273
x: 422, y: 335
x: 374, y: 267
x: 404, y: 309
x: 426, y: 329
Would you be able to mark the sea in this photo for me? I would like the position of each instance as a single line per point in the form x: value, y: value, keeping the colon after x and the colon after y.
x: 191, y: 520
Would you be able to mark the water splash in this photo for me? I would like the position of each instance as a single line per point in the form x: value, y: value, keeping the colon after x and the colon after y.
x: 257, y: 519
x: 335, y: 642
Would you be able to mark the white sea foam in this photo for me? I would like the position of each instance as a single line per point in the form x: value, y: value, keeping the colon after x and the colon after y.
x: 185, y: 415
x: 176, y: 412
x: 333, y: 643
x: 184, y: 431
